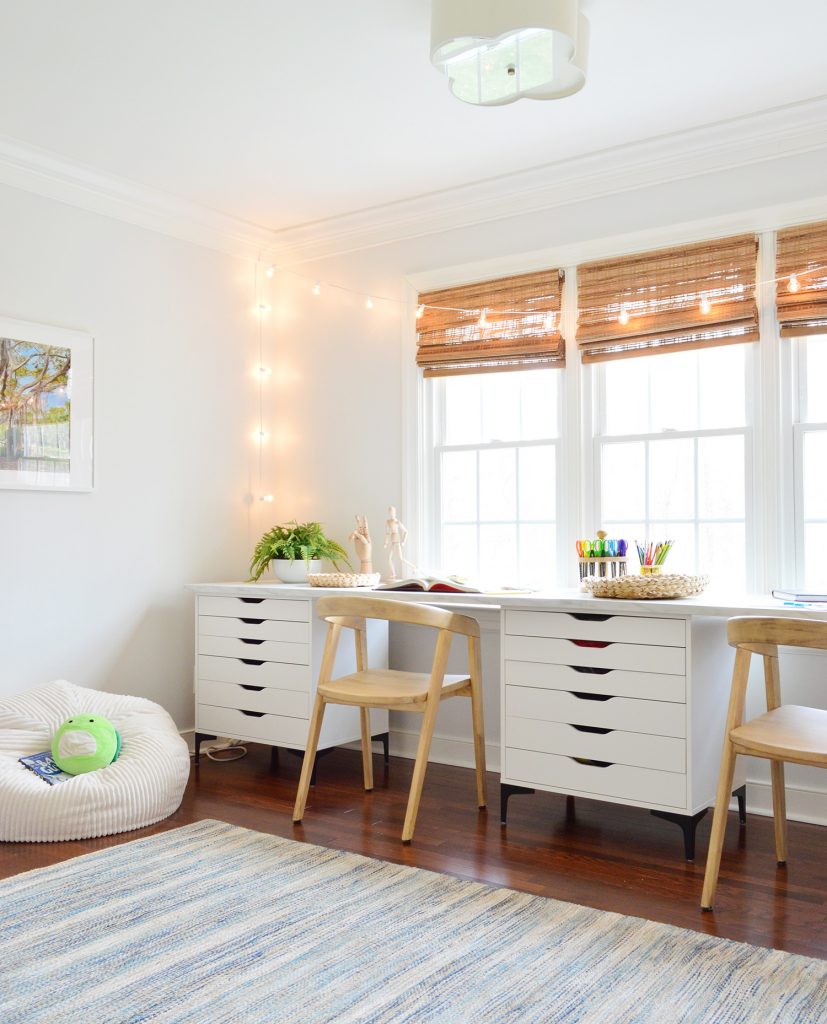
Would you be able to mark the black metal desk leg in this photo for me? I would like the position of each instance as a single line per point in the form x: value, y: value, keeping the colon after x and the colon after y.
x: 688, y: 823
x: 199, y: 737
x: 506, y: 791
x: 385, y: 739
x: 740, y: 795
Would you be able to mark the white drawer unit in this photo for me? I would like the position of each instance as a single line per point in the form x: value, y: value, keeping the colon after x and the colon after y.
x: 614, y: 707
x: 257, y: 661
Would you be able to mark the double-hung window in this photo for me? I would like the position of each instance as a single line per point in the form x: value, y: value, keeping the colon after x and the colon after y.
x: 667, y: 332
x: 492, y: 355
x: 802, y: 315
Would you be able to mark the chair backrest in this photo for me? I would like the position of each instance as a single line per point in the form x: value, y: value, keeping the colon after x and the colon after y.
x: 392, y: 610
x: 764, y: 635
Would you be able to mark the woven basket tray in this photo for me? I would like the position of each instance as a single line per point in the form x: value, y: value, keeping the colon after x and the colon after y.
x: 343, y: 579
x: 637, y: 588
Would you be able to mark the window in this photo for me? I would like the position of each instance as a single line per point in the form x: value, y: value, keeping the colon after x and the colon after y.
x: 810, y: 452
x: 495, y: 475
x: 671, y: 449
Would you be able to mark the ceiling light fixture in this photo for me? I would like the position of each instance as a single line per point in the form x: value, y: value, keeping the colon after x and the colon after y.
x: 496, y: 52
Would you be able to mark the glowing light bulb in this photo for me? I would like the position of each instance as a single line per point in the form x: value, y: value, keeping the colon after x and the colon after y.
x: 420, y: 309
x: 548, y: 323
x: 266, y: 497
x: 706, y: 305
x: 624, y: 316
x: 794, y: 285
x: 260, y: 436
x: 263, y: 308
x: 483, y: 319
x: 264, y: 371
x: 317, y: 288
x: 369, y: 303
x: 270, y: 270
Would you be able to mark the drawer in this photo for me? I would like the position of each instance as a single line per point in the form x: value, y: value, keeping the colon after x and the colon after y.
x: 635, y: 657
x: 619, y: 781
x: 255, y: 608
x: 615, y: 681
x: 254, y: 629
x: 664, y: 753
x: 257, y: 650
x: 248, y: 697
x: 278, y: 730
x: 628, y: 629
x: 281, y: 676
x: 655, y: 717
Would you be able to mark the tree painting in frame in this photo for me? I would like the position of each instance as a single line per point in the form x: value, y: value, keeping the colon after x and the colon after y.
x: 46, y: 410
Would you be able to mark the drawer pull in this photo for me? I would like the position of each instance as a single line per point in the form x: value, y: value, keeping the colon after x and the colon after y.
x: 592, y: 671
x: 244, y: 640
x: 591, y: 696
x: 252, y: 661
x: 590, y: 617
x: 253, y: 714
x: 591, y: 643
x: 251, y: 622
x: 251, y: 600
x: 258, y: 689
x: 592, y: 762
x: 591, y: 728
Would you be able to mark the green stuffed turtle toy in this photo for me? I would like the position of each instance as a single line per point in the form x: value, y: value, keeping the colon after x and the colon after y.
x: 85, y: 743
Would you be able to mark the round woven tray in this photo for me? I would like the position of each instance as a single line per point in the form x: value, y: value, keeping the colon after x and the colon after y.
x: 343, y: 579
x: 637, y: 588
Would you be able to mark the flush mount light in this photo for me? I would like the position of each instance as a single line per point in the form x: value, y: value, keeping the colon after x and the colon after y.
x: 498, y: 51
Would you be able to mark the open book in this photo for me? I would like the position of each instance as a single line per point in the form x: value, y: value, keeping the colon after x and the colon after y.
x: 430, y: 584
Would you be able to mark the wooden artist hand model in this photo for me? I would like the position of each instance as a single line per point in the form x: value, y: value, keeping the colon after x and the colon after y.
x: 362, y: 542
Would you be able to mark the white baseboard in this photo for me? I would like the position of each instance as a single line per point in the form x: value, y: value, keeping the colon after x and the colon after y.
x: 444, y: 749
x: 802, y: 804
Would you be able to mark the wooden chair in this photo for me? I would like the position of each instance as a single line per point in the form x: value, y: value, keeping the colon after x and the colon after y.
x: 397, y: 691
x: 785, y: 733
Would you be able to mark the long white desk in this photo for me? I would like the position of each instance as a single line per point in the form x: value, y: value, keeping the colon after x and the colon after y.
x: 622, y: 701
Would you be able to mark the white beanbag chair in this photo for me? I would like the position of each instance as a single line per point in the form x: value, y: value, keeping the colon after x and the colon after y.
x: 144, y: 785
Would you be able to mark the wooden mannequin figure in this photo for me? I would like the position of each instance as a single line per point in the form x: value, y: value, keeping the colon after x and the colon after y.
x: 396, y: 533
x: 362, y: 542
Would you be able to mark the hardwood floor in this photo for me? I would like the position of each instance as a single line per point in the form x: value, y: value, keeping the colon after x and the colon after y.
x: 600, y: 855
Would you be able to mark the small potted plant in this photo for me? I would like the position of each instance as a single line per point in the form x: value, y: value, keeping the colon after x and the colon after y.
x: 294, y: 549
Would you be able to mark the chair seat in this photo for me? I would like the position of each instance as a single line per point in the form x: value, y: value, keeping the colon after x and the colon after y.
x: 789, y: 733
x: 379, y: 687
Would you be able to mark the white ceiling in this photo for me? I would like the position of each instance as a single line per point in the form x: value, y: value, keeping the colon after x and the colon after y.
x: 288, y: 113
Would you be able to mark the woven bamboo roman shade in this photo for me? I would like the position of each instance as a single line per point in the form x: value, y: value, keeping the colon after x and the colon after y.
x: 521, y: 329
x: 801, y: 269
x: 694, y: 296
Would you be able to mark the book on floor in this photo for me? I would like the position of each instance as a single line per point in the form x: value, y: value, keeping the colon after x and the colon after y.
x: 44, y: 767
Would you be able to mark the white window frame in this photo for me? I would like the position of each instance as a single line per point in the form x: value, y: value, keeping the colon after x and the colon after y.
x: 799, y: 430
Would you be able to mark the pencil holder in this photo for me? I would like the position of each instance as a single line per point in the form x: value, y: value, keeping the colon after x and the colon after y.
x: 651, y: 570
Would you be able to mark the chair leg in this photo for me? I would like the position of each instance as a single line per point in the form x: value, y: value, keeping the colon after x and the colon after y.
x: 309, y: 758
x: 422, y: 750
x: 716, y: 838
x: 479, y: 741
x: 367, y: 751
x: 779, y: 810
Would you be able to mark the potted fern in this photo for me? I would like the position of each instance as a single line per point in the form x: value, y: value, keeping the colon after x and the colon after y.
x: 294, y: 549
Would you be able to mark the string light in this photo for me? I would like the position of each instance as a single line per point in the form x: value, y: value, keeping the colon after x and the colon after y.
x: 264, y: 371
x: 260, y: 436
x: 270, y: 270
x: 420, y: 309
x: 263, y: 308
x: 369, y: 303
x: 317, y: 288
x: 548, y: 323
x: 794, y: 285
x: 706, y: 305
x: 266, y: 497
x: 624, y: 315
x: 483, y: 319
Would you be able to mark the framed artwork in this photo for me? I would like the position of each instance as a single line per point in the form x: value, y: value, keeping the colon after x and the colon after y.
x: 46, y: 407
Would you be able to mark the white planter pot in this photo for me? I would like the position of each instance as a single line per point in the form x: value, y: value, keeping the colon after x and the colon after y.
x: 294, y: 572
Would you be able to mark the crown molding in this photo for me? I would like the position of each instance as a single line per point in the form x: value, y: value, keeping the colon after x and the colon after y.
x: 775, y: 134
x: 46, y: 174
x: 758, y: 138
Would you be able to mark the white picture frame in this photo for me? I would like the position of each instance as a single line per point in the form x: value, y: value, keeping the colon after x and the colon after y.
x: 46, y: 407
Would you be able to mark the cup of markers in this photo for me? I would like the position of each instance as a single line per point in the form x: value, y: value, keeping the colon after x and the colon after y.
x: 602, y: 558
x: 652, y: 555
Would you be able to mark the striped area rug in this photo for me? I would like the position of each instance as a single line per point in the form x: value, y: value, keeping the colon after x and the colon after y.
x: 212, y: 924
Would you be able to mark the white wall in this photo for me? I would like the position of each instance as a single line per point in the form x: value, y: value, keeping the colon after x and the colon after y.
x: 91, y: 585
